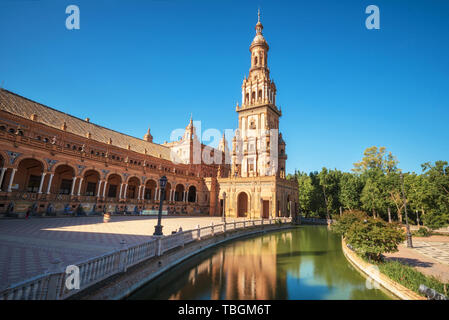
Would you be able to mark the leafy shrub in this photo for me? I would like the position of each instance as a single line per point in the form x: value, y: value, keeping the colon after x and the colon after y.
x: 422, y: 232
x: 347, y: 219
x: 409, y: 277
x: 372, y: 237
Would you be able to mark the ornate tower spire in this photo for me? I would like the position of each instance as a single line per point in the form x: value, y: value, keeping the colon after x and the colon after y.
x: 259, y: 26
x: 148, y: 137
x: 258, y: 88
x: 255, y: 148
x: 190, y: 132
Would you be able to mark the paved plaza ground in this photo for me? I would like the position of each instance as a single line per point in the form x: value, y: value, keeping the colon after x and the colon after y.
x: 28, y: 247
x: 430, y: 255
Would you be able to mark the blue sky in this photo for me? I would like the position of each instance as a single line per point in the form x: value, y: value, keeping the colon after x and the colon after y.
x: 342, y: 88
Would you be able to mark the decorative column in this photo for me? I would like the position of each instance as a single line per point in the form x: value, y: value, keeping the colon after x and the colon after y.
x: 2, y: 176
x: 41, y: 183
x: 99, y: 188
x: 49, y: 183
x: 104, y: 189
x: 73, y: 186
x: 121, y: 189
x: 143, y: 192
x: 124, y: 191
x: 79, y: 186
x: 159, y: 194
x: 138, y: 193
x: 196, y: 197
x: 155, y: 193
x: 11, y: 179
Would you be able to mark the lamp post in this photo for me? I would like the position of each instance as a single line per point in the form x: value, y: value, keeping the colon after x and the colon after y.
x: 158, y: 227
x: 409, y: 234
x: 224, y: 207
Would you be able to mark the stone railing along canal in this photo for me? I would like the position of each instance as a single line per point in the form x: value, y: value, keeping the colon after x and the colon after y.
x: 52, y: 285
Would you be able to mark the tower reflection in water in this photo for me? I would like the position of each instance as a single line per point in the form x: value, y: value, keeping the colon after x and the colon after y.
x: 246, y: 270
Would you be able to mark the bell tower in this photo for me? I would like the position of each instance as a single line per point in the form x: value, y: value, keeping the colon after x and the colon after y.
x: 255, y: 147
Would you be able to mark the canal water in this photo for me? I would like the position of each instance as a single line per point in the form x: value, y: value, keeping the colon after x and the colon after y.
x: 304, y: 263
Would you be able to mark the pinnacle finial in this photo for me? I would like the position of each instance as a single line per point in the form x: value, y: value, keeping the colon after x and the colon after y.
x: 259, y: 25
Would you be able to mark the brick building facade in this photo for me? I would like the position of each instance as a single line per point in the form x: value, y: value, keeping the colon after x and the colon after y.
x: 54, y: 163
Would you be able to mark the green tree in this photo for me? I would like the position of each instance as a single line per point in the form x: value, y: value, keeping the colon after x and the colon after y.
x: 351, y: 187
x: 373, y: 237
x: 329, y: 182
x: 392, y: 185
x: 376, y: 158
x: 305, y: 192
x: 437, y: 194
x: 317, y: 203
x: 373, y: 198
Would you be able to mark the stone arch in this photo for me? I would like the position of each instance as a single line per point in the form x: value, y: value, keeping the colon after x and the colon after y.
x: 114, y: 182
x: 132, y: 189
x: 29, y: 175
x: 62, y: 182
x: 109, y: 174
x: 91, y: 182
x: 4, y: 159
x: 191, y: 195
x: 24, y: 157
x: 167, y: 192
x: 179, y: 192
x: 242, y: 204
x: 150, y: 189
x: 131, y: 177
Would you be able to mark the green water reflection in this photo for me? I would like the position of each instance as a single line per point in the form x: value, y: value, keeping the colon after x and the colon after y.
x: 302, y: 263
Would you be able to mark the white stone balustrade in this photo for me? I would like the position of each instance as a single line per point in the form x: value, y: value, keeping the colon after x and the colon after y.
x: 51, y: 285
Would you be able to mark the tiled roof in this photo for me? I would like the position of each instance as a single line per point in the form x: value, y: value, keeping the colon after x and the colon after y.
x: 23, y: 107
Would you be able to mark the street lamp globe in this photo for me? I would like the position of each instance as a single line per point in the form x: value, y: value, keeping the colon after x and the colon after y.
x: 163, y: 182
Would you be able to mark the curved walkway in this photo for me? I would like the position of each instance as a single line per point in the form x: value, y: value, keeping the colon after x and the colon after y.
x: 429, y: 255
